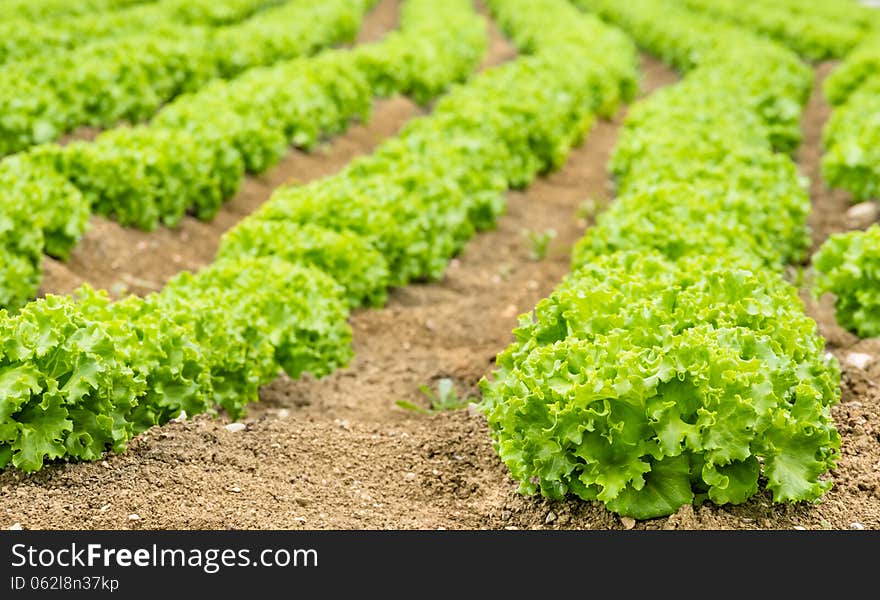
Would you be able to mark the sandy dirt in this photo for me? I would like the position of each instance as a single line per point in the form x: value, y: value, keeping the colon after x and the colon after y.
x: 338, y: 452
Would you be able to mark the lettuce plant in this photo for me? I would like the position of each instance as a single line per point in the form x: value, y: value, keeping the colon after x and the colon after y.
x: 848, y: 265
x: 648, y: 384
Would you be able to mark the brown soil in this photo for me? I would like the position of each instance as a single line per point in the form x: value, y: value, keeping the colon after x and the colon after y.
x: 338, y: 453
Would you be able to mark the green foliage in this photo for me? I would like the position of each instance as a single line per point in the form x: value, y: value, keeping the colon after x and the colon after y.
x: 814, y: 35
x: 66, y: 390
x: 420, y: 196
x: 863, y: 64
x: 269, y: 301
x: 445, y: 399
x: 38, y: 10
x: 750, y: 225
x: 50, y: 202
x: 675, y: 364
x: 163, y: 356
x: 647, y: 383
x: 852, y: 134
x: 848, y: 265
x: 296, y: 102
x: 407, y: 61
x: 346, y: 256
x: 251, y: 316
x: 142, y: 175
x: 194, y: 154
x: 130, y: 77
x: 770, y: 81
x: 82, y: 375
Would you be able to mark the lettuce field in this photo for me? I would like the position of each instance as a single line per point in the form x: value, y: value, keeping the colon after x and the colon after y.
x: 369, y: 264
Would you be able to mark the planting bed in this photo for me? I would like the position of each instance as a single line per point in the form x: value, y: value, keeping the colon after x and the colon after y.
x: 339, y: 452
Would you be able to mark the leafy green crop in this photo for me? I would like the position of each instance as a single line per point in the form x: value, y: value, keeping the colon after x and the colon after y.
x: 737, y: 222
x: 37, y: 10
x: 66, y: 389
x: 82, y: 375
x: 861, y: 65
x: 645, y: 382
x: 269, y: 301
x: 770, y: 80
x: 194, y: 154
x: 420, y: 196
x: 848, y: 264
x: 347, y: 257
x: 675, y: 364
x: 813, y: 35
x: 128, y: 78
x: 852, y: 134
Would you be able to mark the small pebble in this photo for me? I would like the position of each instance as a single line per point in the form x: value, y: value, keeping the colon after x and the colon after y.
x: 409, y: 476
x: 15, y: 527
x: 134, y: 517
x: 235, y: 489
x: 856, y: 525
x: 235, y: 427
x: 863, y: 214
x: 628, y: 522
x: 180, y: 418
x: 859, y: 360
x: 551, y: 516
x: 799, y: 528
x: 283, y: 413
x: 104, y: 508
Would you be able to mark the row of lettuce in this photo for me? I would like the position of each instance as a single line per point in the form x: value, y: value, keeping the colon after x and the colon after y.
x: 81, y: 374
x: 22, y: 38
x: 817, y: 29
x: 675, y: 363
x: 821, y: 30
x: 852, y: 135
x: 194, y: 154
x: 130, y: 76
x: 848, y: 265
x: 39, y: 10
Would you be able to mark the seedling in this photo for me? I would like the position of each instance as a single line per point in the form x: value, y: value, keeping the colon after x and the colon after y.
x: 588, y: 209
x: 539, y: 242
x: 445, y: 399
